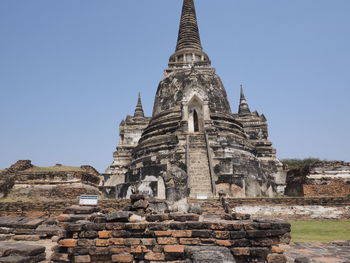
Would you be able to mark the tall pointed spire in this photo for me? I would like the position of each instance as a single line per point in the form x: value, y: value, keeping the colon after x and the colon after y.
x: 243, y: 104
x: 189, y: 51
x: 188, y: 33
x: 139, y: 110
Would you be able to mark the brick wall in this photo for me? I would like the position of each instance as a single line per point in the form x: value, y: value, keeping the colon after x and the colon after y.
x: 172, y: 237
x: 51, y: 209
x: 333, y: 188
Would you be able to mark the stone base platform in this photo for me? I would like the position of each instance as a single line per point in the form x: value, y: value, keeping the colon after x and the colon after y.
x: 126, y: 237
x: 21, y: 253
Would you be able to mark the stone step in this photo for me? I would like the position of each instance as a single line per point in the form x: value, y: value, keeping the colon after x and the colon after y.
x: 198, y: 168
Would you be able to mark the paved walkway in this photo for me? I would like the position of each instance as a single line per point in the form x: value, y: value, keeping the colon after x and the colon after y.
x: 333, y: 252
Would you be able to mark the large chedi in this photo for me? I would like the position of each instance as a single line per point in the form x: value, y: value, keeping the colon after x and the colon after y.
x: 193, y: 145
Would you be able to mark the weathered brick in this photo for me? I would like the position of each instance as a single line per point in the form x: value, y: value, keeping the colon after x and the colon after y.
x: 174, y: 248
x: 178, y: 225
x: 265, y: 242
x: 74, y: 227
x: 104, y: 234
x: 201, y: 233
x: 159, y: 218
x: 207, y: 241
x: 189, y: 241
x: 136, y: 226
x: 233, y: 226
x: 82, y: 259
x: 198, y: 225
x: 240, y: 251
x: 99, y: 251
x: 250, y: 226
x: 100, y: 219
x: 119, y: 249
x: 159, y: 226
x: 60, y: 257
x: 185, y: 217
x: 227, y: 217
x: 157, y: 249
x: 166, y: 240
x: 148, y: 241
x: 26, y: 237
x: 85, y: 242
x: 122, y: 258
x: 225, y: 243
x: 265, y: 233
x: 102, y: 242
x: 117, y: 241
x: 166, y: 233
x: 115, y: 226
x: 94, y: 227
x: 240, y: 243
x: 23, y: 231
x: 132, y: 241
x: 277, y: 249
x: 80, y: 250
x: 276, y: 258
x: 181, y: 233
x: 68, y: 242
x: 222, y: 234
x: 88, y: 234
x: 260, y: 252
x: 264, y: 225
x: 155, y: 256
x: 237, y: 234
x: 139, y: 249
x: 120, y: 233
x: 217, y: 226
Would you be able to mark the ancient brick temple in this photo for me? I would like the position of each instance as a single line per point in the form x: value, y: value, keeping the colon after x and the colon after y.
x: 194, y: 145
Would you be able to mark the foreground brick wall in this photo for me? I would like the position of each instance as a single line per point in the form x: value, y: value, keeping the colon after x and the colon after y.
x: 167, y: 237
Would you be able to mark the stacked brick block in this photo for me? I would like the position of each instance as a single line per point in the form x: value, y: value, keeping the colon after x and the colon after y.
x: 169, y: 238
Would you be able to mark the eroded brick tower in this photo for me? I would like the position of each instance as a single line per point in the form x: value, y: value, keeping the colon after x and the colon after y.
x: 193, y: 145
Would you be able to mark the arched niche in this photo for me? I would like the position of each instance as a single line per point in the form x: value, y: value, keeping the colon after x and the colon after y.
x: 195, y: 115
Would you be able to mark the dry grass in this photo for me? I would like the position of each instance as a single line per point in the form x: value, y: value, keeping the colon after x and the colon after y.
x: 11, y: 199
x: 55, y: 169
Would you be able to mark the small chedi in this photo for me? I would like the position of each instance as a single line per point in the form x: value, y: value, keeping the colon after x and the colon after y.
x: 194, y: 145
x: 25, y: 181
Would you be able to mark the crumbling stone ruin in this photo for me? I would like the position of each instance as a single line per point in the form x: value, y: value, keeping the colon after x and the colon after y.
x: 194, y: 145
x: 23, y: 180
x: 319, y: 179
x: 141, y: 234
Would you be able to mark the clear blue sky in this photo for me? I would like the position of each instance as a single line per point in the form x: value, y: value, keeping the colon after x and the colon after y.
x: 70, y: 71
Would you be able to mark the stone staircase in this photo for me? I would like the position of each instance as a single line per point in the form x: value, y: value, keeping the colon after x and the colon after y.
x: 198, y: 166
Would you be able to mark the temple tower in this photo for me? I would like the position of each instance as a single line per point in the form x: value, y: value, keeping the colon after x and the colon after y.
x: 193, y: 145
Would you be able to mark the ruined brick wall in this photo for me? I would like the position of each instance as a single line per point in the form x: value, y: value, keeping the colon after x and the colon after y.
x: 172, y: 237
x: 214, y: 205
x: 319, y: 179
x: 325, y: 208
x: 328, y: 179
x: 332, y: 188
x: 51, y: 209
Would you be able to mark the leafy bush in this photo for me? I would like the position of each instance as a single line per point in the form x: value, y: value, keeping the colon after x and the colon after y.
x: 300, y: 163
